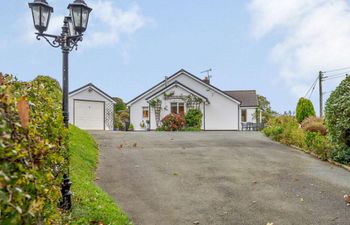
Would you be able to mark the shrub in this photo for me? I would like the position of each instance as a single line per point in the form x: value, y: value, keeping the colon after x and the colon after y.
x: 118, y: 124
x: 318, y: 144
x: 193, y: 118
x: 191, y: 129
x: 33, y: 145
x: 338, y: 121
x: 304, y: 109
x: 314, y: 124
x: 131, y: 127
x: 120, y: 118
x: 173, y: 122
x: 279, y: 128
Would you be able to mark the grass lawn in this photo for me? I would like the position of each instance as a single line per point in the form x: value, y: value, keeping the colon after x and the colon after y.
x: 91, y: 205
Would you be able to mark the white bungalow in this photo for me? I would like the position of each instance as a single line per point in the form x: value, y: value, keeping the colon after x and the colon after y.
x: 222, y: 110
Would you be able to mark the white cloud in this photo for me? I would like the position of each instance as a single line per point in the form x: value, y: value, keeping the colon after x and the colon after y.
x: 315, y: 36
x: 112, y: 23
x: 107, y: 24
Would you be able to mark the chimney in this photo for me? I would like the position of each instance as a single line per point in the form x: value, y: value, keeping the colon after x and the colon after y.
x: 166, y: 81
x: 206, y: 80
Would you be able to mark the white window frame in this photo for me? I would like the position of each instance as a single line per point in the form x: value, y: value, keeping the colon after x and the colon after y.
x: 178, y: 107
x: 143, y: 109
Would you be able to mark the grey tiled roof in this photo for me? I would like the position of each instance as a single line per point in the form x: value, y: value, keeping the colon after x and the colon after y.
x: 247, y: 97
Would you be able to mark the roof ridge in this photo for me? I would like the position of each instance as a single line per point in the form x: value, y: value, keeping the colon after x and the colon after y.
x: 241, y: 90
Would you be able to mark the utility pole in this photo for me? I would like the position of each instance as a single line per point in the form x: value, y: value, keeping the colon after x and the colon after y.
x: 320, y: 80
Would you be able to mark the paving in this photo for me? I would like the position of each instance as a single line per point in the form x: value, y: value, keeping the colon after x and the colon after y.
x: 218, y: 178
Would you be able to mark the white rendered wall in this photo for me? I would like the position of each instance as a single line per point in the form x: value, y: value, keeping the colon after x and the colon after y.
x: 220, y: 114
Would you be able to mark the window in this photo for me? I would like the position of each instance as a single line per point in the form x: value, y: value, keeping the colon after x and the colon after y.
x: 177, y: 107
x: 244, y: 115
x: 174, y: 108
x: 181, y: 108
x: 145, y: 113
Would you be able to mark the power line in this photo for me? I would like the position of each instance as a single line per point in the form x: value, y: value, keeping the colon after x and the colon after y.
x: 331, y: 71
x: 337, y: 74
x: 311, y: 88
x: 335, y: 77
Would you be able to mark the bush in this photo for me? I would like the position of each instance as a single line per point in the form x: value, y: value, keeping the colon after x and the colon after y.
x: 33, y: 146
x: 318, y: 144
x: 193, y: 118
x: 338, y: 121
x: 118, y: 124
x: 280, y: 128
x: 304, y: 109
x: 120, y: 118
x: 191, y: 129
x: 173, y: 122
x: 314, y: 124
x: 131, y: 127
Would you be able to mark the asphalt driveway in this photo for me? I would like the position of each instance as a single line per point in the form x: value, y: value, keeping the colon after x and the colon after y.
x: 219, y: 178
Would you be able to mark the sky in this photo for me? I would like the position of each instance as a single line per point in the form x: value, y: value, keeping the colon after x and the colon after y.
x: 276, y: 47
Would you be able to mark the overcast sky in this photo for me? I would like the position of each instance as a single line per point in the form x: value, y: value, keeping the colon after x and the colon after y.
x: 274, y: 46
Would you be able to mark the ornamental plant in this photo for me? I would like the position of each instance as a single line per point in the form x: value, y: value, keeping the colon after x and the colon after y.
x: 173, y: 122
x: 304, y: 109
x: 33, y: 151
x: 193, y: 118
x: 338, y: 121
x: 314, y: 124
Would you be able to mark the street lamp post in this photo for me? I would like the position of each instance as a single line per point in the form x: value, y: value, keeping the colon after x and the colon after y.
x: 73, y: 28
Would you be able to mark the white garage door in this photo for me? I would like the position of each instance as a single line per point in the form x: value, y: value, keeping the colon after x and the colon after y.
x: 89, y: 115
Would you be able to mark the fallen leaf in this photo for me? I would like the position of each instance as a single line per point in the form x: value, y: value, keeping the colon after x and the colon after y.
x: 301, y: 199
x: 347, y: 198
x: 120, y: 146
x: 269, y: 224
x: 134, y: 145
x: 23, y: 111
x: 196, y: 222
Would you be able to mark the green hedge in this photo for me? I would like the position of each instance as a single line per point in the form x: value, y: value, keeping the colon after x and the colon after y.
x: 338, y: 121
x: 31, y: 153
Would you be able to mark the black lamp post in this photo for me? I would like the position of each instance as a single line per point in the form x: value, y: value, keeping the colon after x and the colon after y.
x: 73, y: 28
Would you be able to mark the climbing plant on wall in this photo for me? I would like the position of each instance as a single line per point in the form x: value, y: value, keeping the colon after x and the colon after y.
x: 193, y: 102
x: 156, y: 104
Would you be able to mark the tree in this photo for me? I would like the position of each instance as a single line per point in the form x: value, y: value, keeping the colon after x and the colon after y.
x: 120, y: 105
x: 265, y: 108
x: 305, y: 109
x: 338, y: 121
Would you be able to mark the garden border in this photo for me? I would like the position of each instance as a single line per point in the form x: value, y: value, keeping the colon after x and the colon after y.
x: 316, y: 156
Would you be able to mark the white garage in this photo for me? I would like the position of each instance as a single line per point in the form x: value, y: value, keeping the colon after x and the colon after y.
x: 91, y: 109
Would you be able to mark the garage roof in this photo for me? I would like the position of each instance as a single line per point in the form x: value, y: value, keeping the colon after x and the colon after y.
x: 90, y: 85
